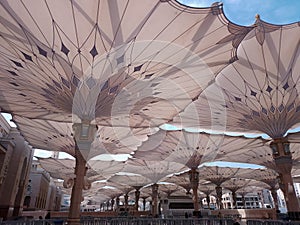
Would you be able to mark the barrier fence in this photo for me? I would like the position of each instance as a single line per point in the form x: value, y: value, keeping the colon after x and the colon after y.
x: 126, y: 221
x: 272, y: 222
x: 149, y: 221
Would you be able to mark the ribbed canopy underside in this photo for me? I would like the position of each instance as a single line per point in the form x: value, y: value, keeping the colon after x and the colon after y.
x: 257, y: 93
x: 113, y: 62
x: 130, y: 66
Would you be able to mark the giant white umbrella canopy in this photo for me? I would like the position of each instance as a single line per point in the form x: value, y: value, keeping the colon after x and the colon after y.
x: 58, y: 136
x: 187, y: 148
x: 249, y: 190
x: 88, y: 192
x: 104, y: 168
x: 208, y: 189
x: 110, y: 61
x: 133, y: 180
x: 194, y: 148
x: 165, y: 190
x: 100, y: 192
x: 267, y: 176
x: 217, y: 175
x: 124, y: 188
x: 153, y: 170
x: 261, y: 153
x: 259, y: 92
x: 169, y: 189
x: 110, y: 192
x: 65, y: 169
x: 47, y: 135
x: 94, y: 189
x: 58, y: 169
x: 117, y: 63
x: 235, y: 184
x: 180, y: 179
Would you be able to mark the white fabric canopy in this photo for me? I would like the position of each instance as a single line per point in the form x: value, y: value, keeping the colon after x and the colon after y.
x: 235, y: 184
x: 268, y: 176
x: 193, y: 149
x: 121, y: 63
x: 134, y: 181
x: 58, y: 169
x: 58, y: 136
x: 181, y: 179
x: 217, y: 175
x: 65, y: 168
x: 259, y: 153
x: 257, y: 93
x: 153, y: 170
x: 130, y: 65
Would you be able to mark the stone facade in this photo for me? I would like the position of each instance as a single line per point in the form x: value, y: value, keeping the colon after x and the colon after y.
x: 42, y: 194
x: 15, y: 160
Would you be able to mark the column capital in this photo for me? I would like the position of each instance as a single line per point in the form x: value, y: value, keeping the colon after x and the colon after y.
x: 280, y: 147
x: 84, y: 135
x: 194, y: 178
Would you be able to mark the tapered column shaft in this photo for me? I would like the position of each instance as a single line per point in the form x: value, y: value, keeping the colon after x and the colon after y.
x: 194, y: 179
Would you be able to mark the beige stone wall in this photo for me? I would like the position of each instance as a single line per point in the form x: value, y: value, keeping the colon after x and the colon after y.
x: 14, y: 173
x: 40, y: 186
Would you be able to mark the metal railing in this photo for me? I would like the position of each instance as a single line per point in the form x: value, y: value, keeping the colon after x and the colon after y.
x: 126, y: 221
x: 272, y: 222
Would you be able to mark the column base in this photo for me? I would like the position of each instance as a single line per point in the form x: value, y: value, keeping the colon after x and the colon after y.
x: 294, y: 216
x: 6, y: 211
x: 73, y: 221
x: 17, y: 210
x: 197, y: 214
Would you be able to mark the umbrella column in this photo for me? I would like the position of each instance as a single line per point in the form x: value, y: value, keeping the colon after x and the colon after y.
x: 155, y: 200
x: 283, y: 160
x: 208, y: 201
x: 144, y: 203
x: 194, y: 179
x: 112, y: 203
x: 219, y: 196
x: 76, y: 197
x: 275, y: 198
x: 126, y: 201
x: 117, y: 202
x: 137, y: 197
x: 234, y: 199
x: 243, y: 200
x: 84, y: 134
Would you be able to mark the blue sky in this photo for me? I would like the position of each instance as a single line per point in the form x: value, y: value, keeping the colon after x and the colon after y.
x: 243, y: 12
